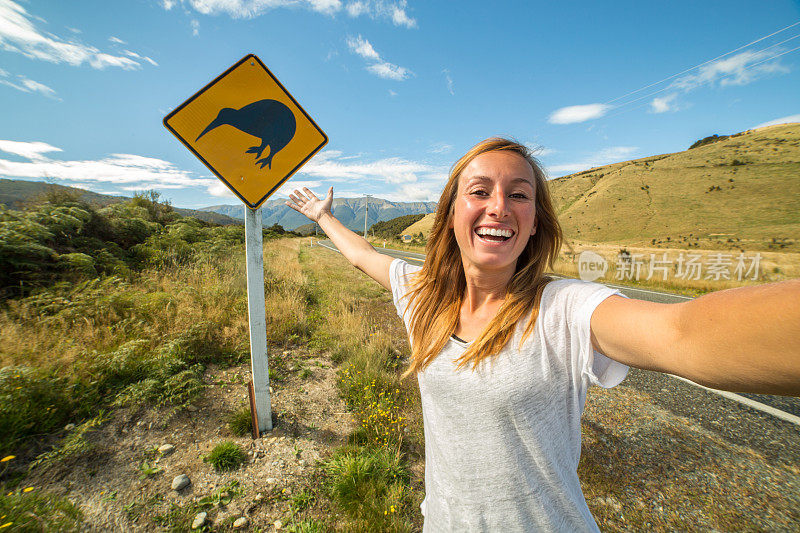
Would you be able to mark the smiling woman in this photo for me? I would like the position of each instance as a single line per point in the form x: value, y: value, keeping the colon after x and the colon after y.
x: 504, y: 354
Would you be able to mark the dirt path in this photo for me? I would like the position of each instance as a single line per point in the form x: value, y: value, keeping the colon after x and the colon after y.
x: 310, y: 419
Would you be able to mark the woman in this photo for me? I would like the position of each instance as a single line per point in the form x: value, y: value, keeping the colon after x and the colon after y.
x: 504, y: 354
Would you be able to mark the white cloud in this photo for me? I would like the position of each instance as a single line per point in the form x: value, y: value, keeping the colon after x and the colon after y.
x: 355, y: 9
x: 102, y: 60
x: 375, y: 9
x: 578, y: 113
x: 740, y: 69
x: 289, y: 187
x: 605, y: 156
x: 389, y: 71
x: 220, y: 190
x: 329, y: 7
x: 401, y: 18
x: 394, y: 11
x: 360, y: 46
x: 254, y: 8
x: 120, y: 171
x: 137, y: 56
x: 440, y: 148
x: 195, y: 27
x: 331, y: 166
x: 392, y: 93
x: 417, y: 193
x: 28, y: 85
x: 19, y: 34
x: 28, y: 150
x: 449, y: 80
x: 663, y: 104
x: 379, y: 67
x: 116, y: 40
x: 783, y: 120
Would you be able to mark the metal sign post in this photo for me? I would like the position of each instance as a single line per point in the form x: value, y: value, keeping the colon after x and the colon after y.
x: 250, y: 132
x: 254, y: 250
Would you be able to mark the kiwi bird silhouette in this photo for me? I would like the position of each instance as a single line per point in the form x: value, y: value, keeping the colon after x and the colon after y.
x: 269, y: 120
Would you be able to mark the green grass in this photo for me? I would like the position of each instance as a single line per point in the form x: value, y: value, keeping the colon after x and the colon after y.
x: 226, y: 455
x: 240, y: 422
x: 28, y: 509
x: 371, y: 486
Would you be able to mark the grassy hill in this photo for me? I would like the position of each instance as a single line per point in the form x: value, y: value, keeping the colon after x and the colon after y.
x: 423, y: 225
x: 740, y: 191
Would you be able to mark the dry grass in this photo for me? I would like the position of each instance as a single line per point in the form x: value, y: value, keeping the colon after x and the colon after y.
x: 774, y: 266
x: 70, y: 321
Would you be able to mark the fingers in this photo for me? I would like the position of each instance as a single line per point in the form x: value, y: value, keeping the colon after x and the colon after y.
x: 309, y: 193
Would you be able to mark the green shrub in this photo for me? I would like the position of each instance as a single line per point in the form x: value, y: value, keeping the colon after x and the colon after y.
x: 240, y: 422
x: 370, y: 485
x: 171, y: 382
x: 33, y: 510
x: 226, y: 455
x: 74, y: 445
x: 390, y: 229
x: 32, y: 403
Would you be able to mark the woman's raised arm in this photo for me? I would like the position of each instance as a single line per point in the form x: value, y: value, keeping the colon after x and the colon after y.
x: 355, y: 248
x: 745, y: 339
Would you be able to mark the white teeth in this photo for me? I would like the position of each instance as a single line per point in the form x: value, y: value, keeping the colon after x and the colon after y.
x: 495, y: 232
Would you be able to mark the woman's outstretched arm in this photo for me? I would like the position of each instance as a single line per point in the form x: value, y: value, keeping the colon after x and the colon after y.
x: 745, y: 339
x: 355, y: 248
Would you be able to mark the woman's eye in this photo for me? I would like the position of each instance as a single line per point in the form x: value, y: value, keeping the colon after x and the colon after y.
x: 519, y: 195
x: 479, y: 192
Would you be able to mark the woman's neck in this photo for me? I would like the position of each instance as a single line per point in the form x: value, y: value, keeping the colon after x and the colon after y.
x: 485, y: 289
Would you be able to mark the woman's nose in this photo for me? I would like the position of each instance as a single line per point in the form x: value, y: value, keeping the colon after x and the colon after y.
x: 497, y: 205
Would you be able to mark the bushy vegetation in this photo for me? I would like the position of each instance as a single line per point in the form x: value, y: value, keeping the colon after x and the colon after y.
x: 29, y: 509
x: 708, y: 140
x: 391, y: 229
x: 240, y: 422
x: 65, y: 238
x: 120, y: 306
x: 226, y: 455
x: 371, y: 486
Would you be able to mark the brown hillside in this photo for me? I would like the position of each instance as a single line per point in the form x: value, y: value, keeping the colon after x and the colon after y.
x: 743, y: 191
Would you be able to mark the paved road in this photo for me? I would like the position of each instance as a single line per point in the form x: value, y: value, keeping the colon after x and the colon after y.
x: 653, y: 382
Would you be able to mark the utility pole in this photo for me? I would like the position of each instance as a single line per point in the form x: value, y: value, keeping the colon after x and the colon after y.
x: 366, y: 212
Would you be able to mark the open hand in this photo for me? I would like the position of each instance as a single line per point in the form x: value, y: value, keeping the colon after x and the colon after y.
x: 309, y: 205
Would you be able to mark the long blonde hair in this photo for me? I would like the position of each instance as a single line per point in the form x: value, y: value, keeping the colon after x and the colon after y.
x: 437, y: 291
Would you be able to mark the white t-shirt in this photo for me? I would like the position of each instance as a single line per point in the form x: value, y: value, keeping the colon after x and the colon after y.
x: 502, y: 443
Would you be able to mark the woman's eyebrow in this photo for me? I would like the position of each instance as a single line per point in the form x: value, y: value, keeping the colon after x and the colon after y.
x: 487, y: 178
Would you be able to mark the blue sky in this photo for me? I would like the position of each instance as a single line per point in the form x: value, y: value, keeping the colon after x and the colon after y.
x: 402, y: 88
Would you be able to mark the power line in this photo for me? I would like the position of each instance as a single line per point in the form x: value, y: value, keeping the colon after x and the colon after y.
x: 721, y: 78
x: 668, y: 87
x: 704, y: 63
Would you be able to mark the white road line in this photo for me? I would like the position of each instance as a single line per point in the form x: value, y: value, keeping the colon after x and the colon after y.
x: 328, y: 247
x: 783, y: 415
x: 649, y: 292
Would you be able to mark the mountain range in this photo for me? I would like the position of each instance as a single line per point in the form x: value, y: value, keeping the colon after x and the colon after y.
x: 350, y: 211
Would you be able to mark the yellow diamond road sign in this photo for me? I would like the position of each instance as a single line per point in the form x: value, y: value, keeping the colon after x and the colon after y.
x: 248, y: 129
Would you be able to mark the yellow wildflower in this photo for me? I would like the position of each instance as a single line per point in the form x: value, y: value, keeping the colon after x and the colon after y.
x: 27, y: 489
x: 6, y: 525
x: 7, y: 458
